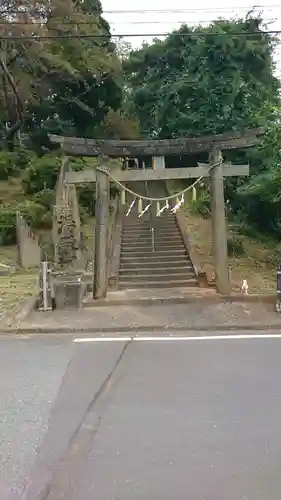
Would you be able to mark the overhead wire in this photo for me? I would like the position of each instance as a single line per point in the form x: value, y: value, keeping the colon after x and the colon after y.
x: 165, y: 11
x: 197, y: 34
x: 82, y: 23
x: 35, y: 36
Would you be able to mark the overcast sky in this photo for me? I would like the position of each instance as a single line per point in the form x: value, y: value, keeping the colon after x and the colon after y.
x: 169, y: 15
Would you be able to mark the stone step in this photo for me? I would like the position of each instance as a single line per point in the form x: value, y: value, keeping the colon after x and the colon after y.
x: 147, y: 227
x: 147, y: 240
x: 131, y: 264
x: 160, y: 274
x: 157, y: 231
x: 156, y: 220
x: 154, y: 256
x: 134, y: 215
x: 147, y: 232
x: 161, y: 240
x: 135, y: 285
x: 146, y: 254
x: 148, y: 248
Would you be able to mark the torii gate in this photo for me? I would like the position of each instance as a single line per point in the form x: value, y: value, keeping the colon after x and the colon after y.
x: 157, y: 149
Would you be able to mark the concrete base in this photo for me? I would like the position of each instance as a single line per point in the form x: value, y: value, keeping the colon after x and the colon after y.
x: 69, y: 294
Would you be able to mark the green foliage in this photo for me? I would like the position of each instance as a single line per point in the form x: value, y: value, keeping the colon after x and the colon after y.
x: 41, y: 174
x: 257, y: 202
x: 7, y: 226
x: 235, y: 247
x: 202, y: 205
x: 11, y: 163
x: 190, y: 85
x: 63, y: 83
x: 118, y: 125
x: 194, y: 85
x: 87, y: 199
x: 33, y: 213
x: 45, y: 198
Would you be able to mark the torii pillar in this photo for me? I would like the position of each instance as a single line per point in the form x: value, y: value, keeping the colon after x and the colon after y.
x: 219, y: 224
x: 101, y: 235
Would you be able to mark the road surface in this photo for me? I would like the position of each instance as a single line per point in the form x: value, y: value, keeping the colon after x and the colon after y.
x: 158, y: 419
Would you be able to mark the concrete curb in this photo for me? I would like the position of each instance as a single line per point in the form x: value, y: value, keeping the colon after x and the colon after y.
x: 152, y: 301
x: 137, y: 329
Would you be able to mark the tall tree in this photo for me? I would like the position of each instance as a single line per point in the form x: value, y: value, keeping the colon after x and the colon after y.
x: 59, y: 68
x: 191, y: 85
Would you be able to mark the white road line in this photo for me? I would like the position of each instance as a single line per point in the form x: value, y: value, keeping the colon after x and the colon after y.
x: 180, y: 339
x: 102, y: 339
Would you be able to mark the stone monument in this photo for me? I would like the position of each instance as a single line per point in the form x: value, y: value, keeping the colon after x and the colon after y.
x: 29, y: 251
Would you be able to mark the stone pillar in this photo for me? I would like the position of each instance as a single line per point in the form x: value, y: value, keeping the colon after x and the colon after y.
x: 101, y: 236
x: 219, y: 224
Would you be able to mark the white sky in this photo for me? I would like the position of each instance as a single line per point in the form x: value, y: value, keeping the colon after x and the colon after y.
x: 140, y: 19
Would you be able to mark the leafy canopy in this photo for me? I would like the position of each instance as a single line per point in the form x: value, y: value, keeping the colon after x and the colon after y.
x: 194, y: 85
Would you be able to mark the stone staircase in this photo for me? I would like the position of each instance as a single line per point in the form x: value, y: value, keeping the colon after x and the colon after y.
x: 166, y: 267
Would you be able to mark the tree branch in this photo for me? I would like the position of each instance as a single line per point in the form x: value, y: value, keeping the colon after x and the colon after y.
x: 11, y: 131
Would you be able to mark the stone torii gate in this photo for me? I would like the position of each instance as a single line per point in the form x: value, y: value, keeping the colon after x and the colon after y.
x: 157, y: 149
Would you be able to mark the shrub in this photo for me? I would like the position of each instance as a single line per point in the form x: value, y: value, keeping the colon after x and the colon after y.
x: 87, y: 198
x: 202, y: 205
x: 41, y: 174
x: 45, y: 198
x: 33, y: 213
x: 7, y: 226
x: 235, y: 247
x: 11, y: 163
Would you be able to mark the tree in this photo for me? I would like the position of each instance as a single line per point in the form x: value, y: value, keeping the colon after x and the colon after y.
x: 64, y: 71
x: 119, y: 125
x: 257, y: 202
x: 223, y: 80
x: 195, y: 85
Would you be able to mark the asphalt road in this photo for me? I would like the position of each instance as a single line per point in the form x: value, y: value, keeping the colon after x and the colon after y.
x: 156, y: 419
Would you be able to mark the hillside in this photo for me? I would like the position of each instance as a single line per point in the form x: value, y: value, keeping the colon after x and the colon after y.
x: 258, y: 261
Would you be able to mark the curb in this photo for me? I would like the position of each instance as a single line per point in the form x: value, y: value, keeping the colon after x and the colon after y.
x: 151, y: 301
x: 140, y: 329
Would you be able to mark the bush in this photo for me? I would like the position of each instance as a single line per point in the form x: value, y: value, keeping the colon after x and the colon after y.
x: 32, y: 212
x: 11, y: 163
x: 45, y: 198
x: 87, y: 198
x: 42, y: 174
x: 235, y: 247
x: 202, y: 205
x: 7, y: 226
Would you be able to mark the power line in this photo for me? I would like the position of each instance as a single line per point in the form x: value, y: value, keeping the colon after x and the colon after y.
x: 83, y: 23
x: 198, y: 34
x: 158, y: 11
x: 200, y: 9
